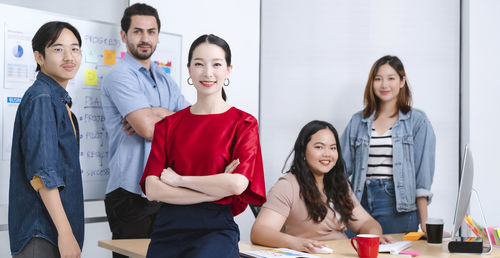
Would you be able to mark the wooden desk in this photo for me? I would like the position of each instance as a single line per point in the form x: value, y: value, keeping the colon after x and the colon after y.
x: 137, y: 248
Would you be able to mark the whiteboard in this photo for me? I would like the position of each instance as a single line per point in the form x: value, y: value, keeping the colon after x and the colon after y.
x: 101, y: 49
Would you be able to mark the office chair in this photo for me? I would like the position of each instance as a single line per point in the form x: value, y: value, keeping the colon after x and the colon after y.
x: 255, y: 209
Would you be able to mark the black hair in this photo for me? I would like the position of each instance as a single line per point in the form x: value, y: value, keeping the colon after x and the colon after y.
x: 211, y: 39
x: 48, y: 34
x: 336, y: 186
x: 138, y: 9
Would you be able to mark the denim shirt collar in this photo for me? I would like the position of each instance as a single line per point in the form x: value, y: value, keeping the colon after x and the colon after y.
x: 57, y: 89
x: 368, y: 119
x: 401, y: 116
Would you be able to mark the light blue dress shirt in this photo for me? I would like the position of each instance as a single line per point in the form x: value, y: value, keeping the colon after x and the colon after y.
x: 126, y: 88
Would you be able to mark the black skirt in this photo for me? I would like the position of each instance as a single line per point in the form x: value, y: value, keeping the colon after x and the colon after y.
x: 198, y: 230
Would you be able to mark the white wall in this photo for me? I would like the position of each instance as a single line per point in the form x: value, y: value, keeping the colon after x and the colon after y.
x: 482, y: 92
x: 238, y: 22
x: 315, y: 61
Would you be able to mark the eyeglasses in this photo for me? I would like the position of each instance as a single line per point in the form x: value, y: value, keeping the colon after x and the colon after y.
x: 59, y: 50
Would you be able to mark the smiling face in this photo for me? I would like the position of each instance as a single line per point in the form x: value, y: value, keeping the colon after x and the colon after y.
x: 142, y: 36
x: 387, y: 84
x: 321, y: 152
x: 208, y: 69
x: 62, y: 58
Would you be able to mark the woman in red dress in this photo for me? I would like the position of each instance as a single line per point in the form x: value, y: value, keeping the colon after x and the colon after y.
x: 205, y: 164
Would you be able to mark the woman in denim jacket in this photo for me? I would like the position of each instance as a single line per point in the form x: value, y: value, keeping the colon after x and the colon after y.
x: 389, y: 151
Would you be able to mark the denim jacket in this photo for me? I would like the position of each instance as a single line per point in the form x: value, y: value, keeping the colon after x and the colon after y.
x: 414, y: 147
x: 44, y: 144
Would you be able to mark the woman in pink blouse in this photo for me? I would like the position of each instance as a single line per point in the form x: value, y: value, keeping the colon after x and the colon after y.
x: 313, y: 201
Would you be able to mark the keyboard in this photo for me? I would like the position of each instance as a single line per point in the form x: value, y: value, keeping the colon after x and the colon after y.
x: 394, y: 247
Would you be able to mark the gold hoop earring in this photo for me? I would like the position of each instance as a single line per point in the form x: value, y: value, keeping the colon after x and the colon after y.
x: 226, y: 84
x: 190, y: 83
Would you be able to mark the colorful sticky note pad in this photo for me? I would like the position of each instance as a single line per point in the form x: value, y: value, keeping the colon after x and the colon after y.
x: 109, y: 57
x: 90, y: 77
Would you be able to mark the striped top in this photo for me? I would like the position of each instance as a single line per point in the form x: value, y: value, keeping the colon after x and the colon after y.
x: 380, y: 155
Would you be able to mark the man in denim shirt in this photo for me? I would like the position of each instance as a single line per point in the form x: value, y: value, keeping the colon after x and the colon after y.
x: 45, y: 192
x: 136, y: 94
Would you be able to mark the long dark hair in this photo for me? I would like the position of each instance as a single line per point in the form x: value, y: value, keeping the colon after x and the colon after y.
x: 404, y: 97
x: 336, y: 186
x: 211, y: 39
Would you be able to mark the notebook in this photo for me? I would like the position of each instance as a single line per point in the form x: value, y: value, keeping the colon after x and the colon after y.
x: 394, y: 247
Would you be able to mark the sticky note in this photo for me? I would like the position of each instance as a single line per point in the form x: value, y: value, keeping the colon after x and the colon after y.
x: 413, y: 236
x: 497, y: 235
x: 109, y: 57
x: 90, y: 77
x: 90, y: 55
x: 122, y: 54
x: 412, y: 253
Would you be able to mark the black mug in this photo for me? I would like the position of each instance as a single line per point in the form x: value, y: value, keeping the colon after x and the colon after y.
x: 434, y: 229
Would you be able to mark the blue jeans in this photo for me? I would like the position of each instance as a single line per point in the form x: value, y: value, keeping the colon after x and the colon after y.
x: 379, y: 200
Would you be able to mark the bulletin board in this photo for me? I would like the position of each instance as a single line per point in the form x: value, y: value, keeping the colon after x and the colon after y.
x: 101, y: 49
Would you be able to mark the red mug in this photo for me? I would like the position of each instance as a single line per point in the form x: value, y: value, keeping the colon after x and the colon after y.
x: 367, y: 245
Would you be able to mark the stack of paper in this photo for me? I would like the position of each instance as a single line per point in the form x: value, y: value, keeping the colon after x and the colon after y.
x: 394, y: 247
x: 277, y: 252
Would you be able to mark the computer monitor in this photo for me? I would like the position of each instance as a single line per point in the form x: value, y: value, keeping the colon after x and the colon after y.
x: 458, y: 243
x: 464, y: 192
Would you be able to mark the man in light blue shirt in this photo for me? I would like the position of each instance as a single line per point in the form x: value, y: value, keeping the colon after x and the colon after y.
x: 136, y: 94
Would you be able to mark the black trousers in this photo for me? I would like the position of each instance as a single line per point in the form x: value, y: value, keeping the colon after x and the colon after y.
x: 203, y: 230
x: 129, y: 215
